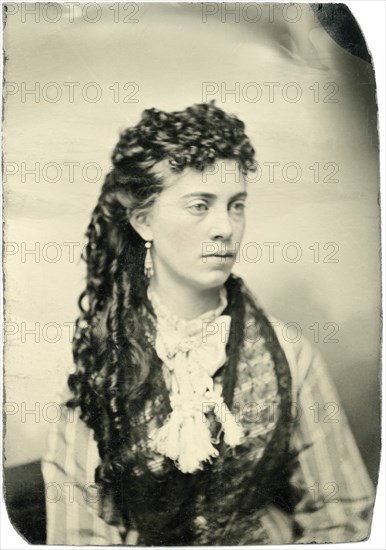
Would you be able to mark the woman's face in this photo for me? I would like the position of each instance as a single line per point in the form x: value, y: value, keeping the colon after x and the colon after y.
x: 197, y: 224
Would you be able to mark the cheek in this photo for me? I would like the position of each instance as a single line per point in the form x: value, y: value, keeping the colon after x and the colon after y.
x: 176, y: 232
x: 238, y: 230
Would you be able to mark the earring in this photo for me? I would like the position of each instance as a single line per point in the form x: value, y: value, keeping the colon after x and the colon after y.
x: 149, y: 271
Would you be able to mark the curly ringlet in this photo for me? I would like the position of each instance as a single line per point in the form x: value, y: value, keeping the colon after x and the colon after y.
x: 114, y: 361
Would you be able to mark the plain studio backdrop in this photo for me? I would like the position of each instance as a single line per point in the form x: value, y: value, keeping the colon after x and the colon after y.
x: 311, y: 251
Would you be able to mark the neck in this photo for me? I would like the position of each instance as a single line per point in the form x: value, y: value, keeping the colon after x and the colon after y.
x: 184, y: 301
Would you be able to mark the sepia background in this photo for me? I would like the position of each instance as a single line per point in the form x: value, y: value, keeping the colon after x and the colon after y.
x: 309, y: 104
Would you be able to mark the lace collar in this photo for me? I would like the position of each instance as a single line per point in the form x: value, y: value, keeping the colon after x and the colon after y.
x: 169, y: 320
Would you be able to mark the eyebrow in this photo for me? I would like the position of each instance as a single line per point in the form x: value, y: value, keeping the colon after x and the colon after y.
x: 242, y: 195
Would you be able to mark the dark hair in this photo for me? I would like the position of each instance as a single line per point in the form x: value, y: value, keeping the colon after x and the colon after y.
x: 113, y: 358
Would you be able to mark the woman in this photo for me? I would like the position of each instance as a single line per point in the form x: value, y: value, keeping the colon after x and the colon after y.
x: 189, y: 418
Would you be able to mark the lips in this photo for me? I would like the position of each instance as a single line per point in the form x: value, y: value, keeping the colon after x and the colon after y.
x: 226, y: 255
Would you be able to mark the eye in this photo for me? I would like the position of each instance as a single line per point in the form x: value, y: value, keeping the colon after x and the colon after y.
x: 238, y: 206
x: 198, y: 207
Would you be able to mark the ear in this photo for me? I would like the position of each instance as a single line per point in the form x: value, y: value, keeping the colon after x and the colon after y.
x: 140, y: 220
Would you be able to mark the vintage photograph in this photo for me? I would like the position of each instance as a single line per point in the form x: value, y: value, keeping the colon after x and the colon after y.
x: 192, y: 312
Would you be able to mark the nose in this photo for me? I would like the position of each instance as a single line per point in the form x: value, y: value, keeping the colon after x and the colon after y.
x: 221, y: 228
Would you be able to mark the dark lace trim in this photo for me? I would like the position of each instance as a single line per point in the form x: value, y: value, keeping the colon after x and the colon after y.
x: 231, y: 499
x: 227, y: 494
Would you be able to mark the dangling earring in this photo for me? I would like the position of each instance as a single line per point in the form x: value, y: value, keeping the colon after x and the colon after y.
x: 149, y: 271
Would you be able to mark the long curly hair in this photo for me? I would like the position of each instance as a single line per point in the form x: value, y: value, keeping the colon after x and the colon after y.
x: 114, y: 361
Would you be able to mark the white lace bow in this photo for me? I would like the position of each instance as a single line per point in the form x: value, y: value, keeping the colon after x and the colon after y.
x: 193, y: 351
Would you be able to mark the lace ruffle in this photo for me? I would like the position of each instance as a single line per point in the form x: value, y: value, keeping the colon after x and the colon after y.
x: 193, y: 354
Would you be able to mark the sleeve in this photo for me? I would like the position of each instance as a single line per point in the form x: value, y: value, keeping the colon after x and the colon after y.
x: 337, y: 495
x: 70, y: 492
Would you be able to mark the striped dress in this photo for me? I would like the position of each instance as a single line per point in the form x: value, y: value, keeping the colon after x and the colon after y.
x: 337, y: 496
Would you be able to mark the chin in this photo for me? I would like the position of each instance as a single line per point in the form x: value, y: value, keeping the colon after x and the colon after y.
x: 214, y: 279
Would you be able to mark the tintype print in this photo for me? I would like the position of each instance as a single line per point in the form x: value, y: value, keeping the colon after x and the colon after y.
x: 192, y: 274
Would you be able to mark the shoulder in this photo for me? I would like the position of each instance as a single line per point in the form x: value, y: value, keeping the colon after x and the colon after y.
x: 303, y: 357
x: 71, y: 446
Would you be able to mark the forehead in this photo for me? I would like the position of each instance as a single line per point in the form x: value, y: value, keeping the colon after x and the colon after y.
x: 223, y: 178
